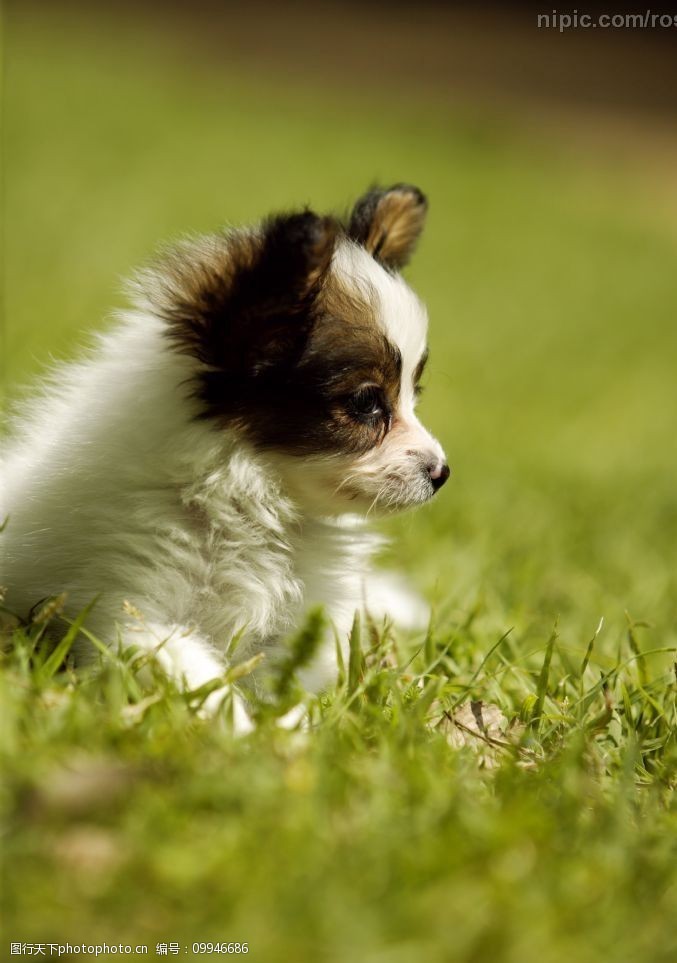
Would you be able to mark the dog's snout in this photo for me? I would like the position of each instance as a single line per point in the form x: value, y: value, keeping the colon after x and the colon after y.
x: 438, y: 471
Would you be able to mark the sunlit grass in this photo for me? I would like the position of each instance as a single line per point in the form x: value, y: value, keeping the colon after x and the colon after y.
x: 381, y: 824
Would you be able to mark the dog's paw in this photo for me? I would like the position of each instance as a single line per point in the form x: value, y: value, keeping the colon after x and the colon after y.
x: 294, y: 718
x: 229, y: 702
x: 388, y: 594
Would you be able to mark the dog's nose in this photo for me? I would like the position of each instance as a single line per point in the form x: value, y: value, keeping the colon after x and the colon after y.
x: 439, y: 472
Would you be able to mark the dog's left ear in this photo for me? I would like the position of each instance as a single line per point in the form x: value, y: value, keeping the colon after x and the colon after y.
x: 244, y: 299
x: 388, y: 223
x: 293, y: 255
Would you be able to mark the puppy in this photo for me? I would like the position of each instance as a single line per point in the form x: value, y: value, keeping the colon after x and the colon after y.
x: 212, y: 463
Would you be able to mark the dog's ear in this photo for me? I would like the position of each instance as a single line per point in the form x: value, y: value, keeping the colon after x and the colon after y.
x: 273, y: 293
x: 388, y: 222
x: 293, y: 256
x: 243, y: 302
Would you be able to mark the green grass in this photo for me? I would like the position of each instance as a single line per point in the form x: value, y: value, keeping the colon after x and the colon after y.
x: 552, y: 290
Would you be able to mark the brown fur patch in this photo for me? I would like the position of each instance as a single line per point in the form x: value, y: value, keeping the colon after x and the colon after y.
x: 246, y: 297
x: 306, y: 406
x: 346, y: 351
x: 286, y: 353
x: 389, y: 223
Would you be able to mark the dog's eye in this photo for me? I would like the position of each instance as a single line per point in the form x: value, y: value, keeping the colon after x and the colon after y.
x: 367, y: 403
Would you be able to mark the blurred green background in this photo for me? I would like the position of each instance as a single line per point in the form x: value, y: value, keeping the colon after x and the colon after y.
x: 549, y: 264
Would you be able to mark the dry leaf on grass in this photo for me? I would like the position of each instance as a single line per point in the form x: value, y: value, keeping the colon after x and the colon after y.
x: 483, y: 727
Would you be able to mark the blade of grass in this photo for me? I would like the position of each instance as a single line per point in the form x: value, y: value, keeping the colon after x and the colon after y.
x: 542, y: 686
x: 591, y: 643
x: 55, y: 659
x: 635, y: 647
x: 301, y: 649
x: 355, y: 659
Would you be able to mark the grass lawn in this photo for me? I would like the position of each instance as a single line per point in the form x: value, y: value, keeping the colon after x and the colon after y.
x: 552, y: 287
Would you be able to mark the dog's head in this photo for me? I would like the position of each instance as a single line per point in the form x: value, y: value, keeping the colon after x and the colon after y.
x: 309, y: 343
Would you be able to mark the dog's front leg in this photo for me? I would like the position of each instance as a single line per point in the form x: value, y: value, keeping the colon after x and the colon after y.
x: 388, y: 595
x: 188, y: 659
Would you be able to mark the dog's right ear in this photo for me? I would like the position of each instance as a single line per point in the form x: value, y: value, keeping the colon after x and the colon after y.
x: 243, y: 302
x: 388, y: 222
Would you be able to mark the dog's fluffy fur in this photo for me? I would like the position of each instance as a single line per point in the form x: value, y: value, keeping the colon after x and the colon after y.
x: 213, y: 459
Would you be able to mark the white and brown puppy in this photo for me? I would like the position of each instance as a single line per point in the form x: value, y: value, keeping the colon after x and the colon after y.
x: 213, y: 459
